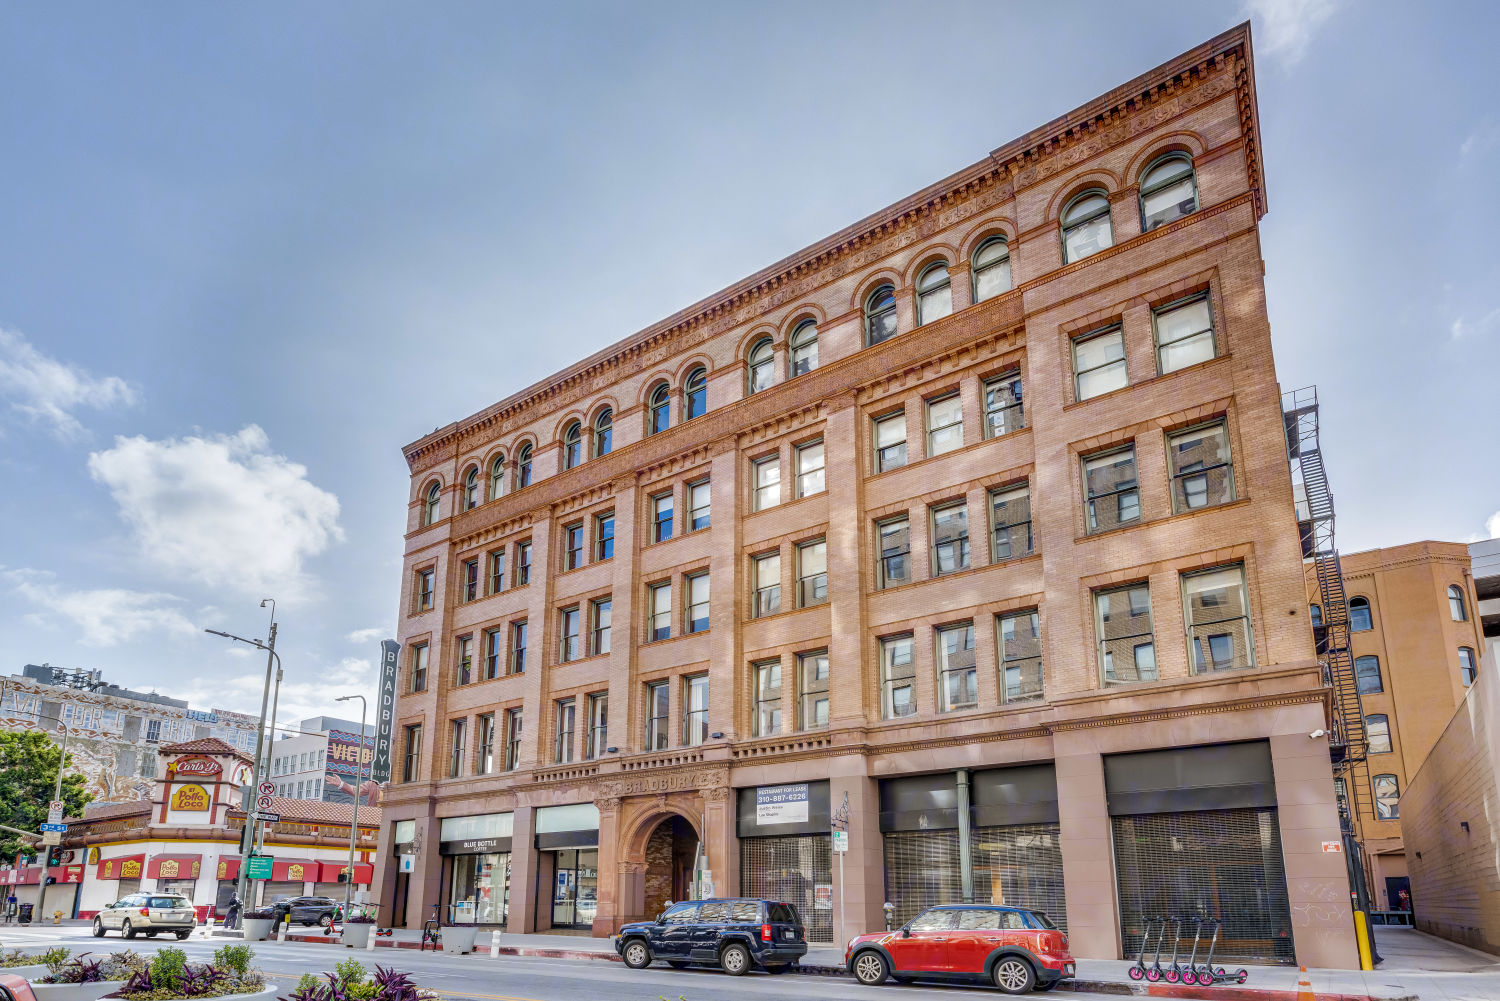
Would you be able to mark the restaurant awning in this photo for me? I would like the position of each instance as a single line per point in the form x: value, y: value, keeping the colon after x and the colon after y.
x: 228, y: 868
x: 66, y: 873
x: 174, y: 866
x: 364, y: 872
x: 124, y: 867
x: 294, y: 870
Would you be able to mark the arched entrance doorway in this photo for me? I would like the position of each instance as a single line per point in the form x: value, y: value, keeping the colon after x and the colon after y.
x: 671, y: 852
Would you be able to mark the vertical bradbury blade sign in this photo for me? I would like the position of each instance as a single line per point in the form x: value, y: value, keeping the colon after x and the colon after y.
x: 385, y: 711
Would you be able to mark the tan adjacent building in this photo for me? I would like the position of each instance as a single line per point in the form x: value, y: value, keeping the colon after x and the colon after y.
x: 968, y: 528
x: 1416, y: 642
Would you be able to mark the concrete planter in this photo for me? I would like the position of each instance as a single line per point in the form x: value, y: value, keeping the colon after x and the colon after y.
x: 75, y: 992
x: 459, y: 939
x: 257, y: 929
x: 29, y: 972
x: 356, y: 936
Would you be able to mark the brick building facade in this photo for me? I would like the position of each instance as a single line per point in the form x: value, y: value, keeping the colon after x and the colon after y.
x: 970, y: 524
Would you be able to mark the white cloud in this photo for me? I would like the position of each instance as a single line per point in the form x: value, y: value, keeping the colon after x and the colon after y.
x: 366, y: 635
x: 1463, y: 328
x: 223, y: 510
x: 1484, y: 137
x: 297, y: 699
x: 1286, y: 27
x: 47, y: 390
x: 1492, y: 525
x: 104, y: 616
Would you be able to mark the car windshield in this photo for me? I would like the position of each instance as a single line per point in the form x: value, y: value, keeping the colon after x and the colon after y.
x: 784, y: 913
x: 169, y: 902
x: 1044, y: 921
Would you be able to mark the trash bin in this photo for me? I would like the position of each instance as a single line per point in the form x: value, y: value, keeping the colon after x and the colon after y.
x: 25, y: 916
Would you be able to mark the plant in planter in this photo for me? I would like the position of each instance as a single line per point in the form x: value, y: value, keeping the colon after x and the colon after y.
x: 349, y: 982
x: 357, y: 928
x: 257, y: 924
x: 31, y: 965
x: 170, y: 977
x: 86, y: 977
x: 458, y: 939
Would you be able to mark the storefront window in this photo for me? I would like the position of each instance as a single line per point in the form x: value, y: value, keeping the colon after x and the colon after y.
x: 575, y: 888
x: 480, y: 889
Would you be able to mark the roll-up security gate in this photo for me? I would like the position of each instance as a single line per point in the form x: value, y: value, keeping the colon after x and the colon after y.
x: 786, y: 851
x: 1196, y: 835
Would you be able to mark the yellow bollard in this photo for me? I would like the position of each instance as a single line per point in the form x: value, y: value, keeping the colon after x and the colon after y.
x: 1362, y: 937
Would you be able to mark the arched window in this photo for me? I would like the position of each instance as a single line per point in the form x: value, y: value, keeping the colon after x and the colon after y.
x: 1086, y: 228
x: 430, y: 506
x: 523, y: 466
x: 934, y: 294
x: 1467, y: 669
x: 1169, y: 191
x: 604, y: 432
x: 804, y: 348
x: 1367, y: 675
x: 471, y: 489
x: 1316, y: 612
x: 661, y: 408
x: 762, y: 366
x: 1378, y: 734
x: 1359, y: 615
x: 1456, y: 604
x: 572, y: 446
x: 991, y: 268
x: 695, y: 395
x: 880, y: 315
x: 1387, y: 797
x: 497, y: 476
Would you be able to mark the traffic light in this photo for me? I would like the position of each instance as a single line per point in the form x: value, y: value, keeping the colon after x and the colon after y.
x: 344, y: 876
x: 54, y: 856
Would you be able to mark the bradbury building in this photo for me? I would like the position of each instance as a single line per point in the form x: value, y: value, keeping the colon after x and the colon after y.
x: 968, y: 527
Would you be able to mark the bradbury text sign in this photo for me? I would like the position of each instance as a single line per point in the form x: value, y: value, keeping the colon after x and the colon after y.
x: 385, y: 710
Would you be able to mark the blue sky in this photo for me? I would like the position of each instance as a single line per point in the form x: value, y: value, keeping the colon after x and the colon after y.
x: 249, y: 251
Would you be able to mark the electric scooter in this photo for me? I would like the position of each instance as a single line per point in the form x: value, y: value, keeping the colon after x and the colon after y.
x: 1173, y: 973
x: 1138, y: 971
x: 1154, y: 971
x: 1185, y: 973
x: 1207, y: 975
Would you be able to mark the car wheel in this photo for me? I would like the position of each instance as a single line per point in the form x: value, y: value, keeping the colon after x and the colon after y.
x: 1013, y: 975
x: 735, y: 960
x: 677, y: 964
x: 326, y: 920
x: 871, y: 968
x: 98, y: 928
x: 126, y: 930
x: 636, y: 955
x: 182, y: 935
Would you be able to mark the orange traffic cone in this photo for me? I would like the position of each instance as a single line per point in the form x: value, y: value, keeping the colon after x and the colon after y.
x: 1304, y: 985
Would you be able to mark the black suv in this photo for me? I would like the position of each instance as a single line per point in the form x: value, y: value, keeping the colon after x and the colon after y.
x: 734, y: 934
x: 307, y: 910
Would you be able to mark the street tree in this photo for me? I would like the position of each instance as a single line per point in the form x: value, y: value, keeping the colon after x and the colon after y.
x: 28, y: 773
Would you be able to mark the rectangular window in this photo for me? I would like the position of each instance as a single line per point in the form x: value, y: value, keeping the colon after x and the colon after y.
x: 484, y: 763
x: 424, y: 590
x: 601, y: 611
x: 1387, y: 797
x: 1202, y: 474
x: 1217, y: 608
x: 458, y: 731
x: 893, y: 537
x: 1378, y: 734
x: 497, y: 571
x: 598, y: 725
x: 604, y: 536
x: 812, y: 690
x: 660, y: 610
x: 463, y: 667
x: 945, y: 424
x: 1114, y: 497
x: 471, y: 579
x: 562, y: 741
x: 493, y: 647
x: 1127, y: 648
x: 661, y: 517
x: 1003, y: 412
x: 523, y: 564
x: 766, y: 580
x: 418, y: 672
x: 658, y: 710
x: 568, y: 626
x: 573, y: 546
x: 697, y: 596
x: 695, y: 715
x: 1099, y: 363
x: 518, y: 647
x: 812, y: 573
x: 1184, y: 334
x: 950, y: 538
x: 512, y: 739
x: 1010, y: 518
x: 957, y: 672
x: 898, y: 677
x: 890, y: 441
x: 1020, y: 645
x: 411, y: 765
x: 699, y: 496
x: 810, y: 469
x: 767, y: 482
x: 767, y: 677
x: 1367, y: 675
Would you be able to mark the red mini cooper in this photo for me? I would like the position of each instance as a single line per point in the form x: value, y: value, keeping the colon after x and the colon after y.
x: 1015, y: 949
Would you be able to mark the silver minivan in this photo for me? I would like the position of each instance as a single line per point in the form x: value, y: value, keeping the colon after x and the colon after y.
x: 149, y: 913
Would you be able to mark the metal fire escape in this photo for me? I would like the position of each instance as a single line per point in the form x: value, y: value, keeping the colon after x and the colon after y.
x: 1320, y: 558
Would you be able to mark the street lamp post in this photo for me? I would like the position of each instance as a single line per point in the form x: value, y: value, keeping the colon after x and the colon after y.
x: 359, y: 781
x: 248, y: 834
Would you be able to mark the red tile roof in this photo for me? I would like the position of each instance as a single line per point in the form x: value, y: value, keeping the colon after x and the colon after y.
x: 315, y: 811
x: 204, y: 745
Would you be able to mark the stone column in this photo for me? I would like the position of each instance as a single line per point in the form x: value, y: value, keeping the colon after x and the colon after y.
x: 425, y: 887
x: 522, y: 917
x: 1089, y: 882
x: 721, y: 841
x: 541, y: 650
x: 846, y: 654
x: 625, y: 727
x: 726, y: 588
x: 607, y: 916
x: 864, y: 866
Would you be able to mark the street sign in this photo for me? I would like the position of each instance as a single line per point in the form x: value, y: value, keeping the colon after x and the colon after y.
x: 840, y: 841
x: 385, y: 711
x: 268, y: 788
x: 51, y: 837
x: 267, y: 818
x: 59, y: 828
x: 55, y: 811
x: 1333, y: 847
x: 260, y: 866
x: 263, y: 802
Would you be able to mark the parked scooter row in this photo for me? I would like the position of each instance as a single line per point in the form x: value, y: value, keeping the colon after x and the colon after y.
x: 1190, y: 972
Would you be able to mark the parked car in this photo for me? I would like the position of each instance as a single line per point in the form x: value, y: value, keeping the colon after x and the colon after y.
x: 735, y: 934
x: 1016, y: 949
x: 307, y: 910
x: 149, y: 913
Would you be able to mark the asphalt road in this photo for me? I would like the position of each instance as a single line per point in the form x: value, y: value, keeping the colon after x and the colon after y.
x: 513, y: 978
